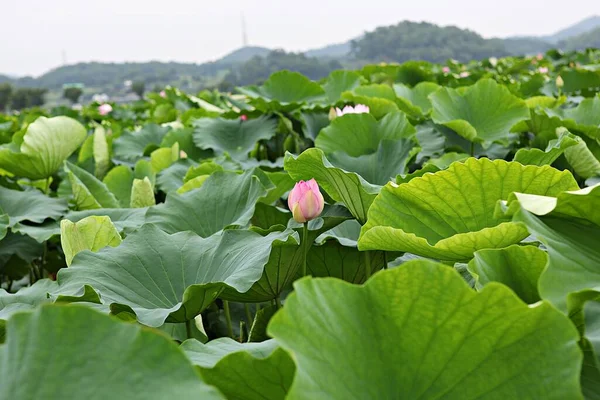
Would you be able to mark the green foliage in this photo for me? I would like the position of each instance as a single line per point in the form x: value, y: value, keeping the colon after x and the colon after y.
x: 456, y: 255
x: 72, y: 94
x: 138, y: 87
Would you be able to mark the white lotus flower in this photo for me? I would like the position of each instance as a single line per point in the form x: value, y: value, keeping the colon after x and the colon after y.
x: 358, y: 109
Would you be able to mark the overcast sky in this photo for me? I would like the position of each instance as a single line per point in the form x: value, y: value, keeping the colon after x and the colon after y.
x: 34, y: 33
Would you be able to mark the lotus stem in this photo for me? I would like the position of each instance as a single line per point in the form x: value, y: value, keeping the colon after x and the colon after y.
x: 228, y: 318
x: 304, y: 248
x: 188, y: 328
x: 367, y: 265
x: 248, y: 314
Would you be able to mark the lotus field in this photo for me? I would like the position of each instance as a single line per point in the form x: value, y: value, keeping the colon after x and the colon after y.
x: 411, y: 231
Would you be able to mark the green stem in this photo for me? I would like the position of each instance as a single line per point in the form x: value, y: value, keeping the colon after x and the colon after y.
x: 10, y: 283
x: 242, y: 331
x: 277, y: 302
x: 367, y: 265
x: 188, y: 328
x: 472, y: 149
x: 47, y: 186
x: 304, y: 248
x: 385, y: 261
x: 228, y: 318
x: 248, y: 314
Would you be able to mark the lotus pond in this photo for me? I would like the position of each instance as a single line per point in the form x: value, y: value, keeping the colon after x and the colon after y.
x: 451, y: 249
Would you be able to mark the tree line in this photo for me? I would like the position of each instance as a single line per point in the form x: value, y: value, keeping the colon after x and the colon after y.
x: 20, y: 98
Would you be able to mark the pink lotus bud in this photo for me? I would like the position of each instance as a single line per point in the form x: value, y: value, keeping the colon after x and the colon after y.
x: 446, y: 70
x: 305, y: 201
x: 163, y: 94
x: 105, y: 109
x: 244, y: 117
x: 543, y: 70
x: 464, y: 74
x: 540, y: 56
x: 182, y: 154
x: 358, y: 109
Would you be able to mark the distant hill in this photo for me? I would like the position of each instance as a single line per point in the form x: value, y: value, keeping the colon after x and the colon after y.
x: 582, y: 41
x: 243, y: 54
x: 579, y: 28
x: 424, y: 41
x: 338, y: 50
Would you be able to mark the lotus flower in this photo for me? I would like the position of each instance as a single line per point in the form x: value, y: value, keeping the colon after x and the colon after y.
x: 446, y: 70
x: 244, y: 117
x: 560, y: 82
x: 540, y: 56
x: 163, y: 94
x: 543, y: 70
x: 306, y: 201
x: 104, y: 109
x: 464, y: 74
x: 358, y: 109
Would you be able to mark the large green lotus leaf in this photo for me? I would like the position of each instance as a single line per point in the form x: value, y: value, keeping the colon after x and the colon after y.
x: 569, y: 226
x: 223, y: 200
x: 143, y: 169
x: 584, y: 118
x: 581, y: 158
x: 313, y: 123
x: 449, y: 215
x: 243, y: 370
x: 332, y: 259
x: 415, y: 101
x: 101, y: 152
x: 286, y: 257
x: 142, y: 194
x: 378, y: 106
x: 26, y: 298
x: 163, y: 157
x: 41, y: 151
x: 282, y: 183
x: 587, y: 116
x: 170, y: 179
x: 88, y: 192
x: 518, y: 267
x: 422, y: 333
x: 382, y: 166
x: 555, y: 149
x: 445, y: 161
x: 235, y: 137
x: 378, y: 90
x: 125, y: 220
x: 431, y: 140
x: 291, y: 87
x: 184, y: 137
x: 132, y: 146
x: 484, y: 112
x: 91, y: 233
x: 31, y: 205
x: 120, y: 360
x: 170, y: 278
x: 119, y: 181
x: 339, y: 82
x: 580, y: 80
x: 358, y: 134
x: 347, y: 187
x: 542, y: 126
